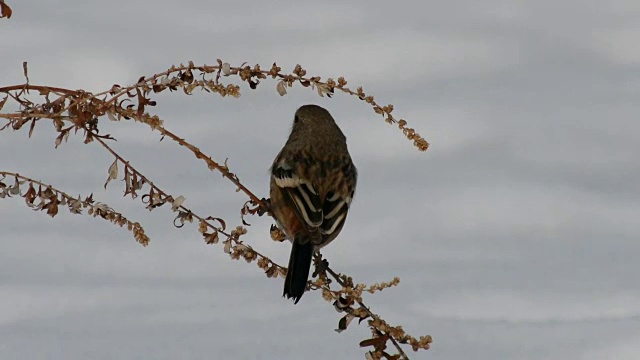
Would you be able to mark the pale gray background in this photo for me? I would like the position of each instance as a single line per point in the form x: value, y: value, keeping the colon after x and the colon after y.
x: 515, y: 235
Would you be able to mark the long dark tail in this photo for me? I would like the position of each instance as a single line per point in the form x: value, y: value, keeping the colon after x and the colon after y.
x: 298, y: 272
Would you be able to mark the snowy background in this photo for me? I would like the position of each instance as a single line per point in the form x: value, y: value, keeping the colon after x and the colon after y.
x: 515, y: 235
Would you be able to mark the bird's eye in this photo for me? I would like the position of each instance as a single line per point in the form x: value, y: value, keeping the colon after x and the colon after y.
x: 296, y: 119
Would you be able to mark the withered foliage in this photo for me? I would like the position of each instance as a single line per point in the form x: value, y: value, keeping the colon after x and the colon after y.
x: 42, y: 197
x: 5, y: 10
x: 77, y: 112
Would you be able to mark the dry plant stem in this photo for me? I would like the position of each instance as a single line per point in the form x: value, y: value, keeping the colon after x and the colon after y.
x: 336, y: 277
x: 27, y: 87
x: 212, y: 164
x: 26, y: 178
x: 246, y: 73
x: 211, y: 226
x: 83, y: 110
x: 182, y: 207
x: 385, y: 111
x: 236, y: 182
x: 153, y: 186
x: 160, y: 191
x: 99, y: 209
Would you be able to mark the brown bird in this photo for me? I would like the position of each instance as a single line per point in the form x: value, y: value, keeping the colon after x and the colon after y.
x: 313, y: 181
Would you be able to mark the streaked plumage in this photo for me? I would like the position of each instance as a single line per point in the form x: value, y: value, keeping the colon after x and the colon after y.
x: 313, y: 181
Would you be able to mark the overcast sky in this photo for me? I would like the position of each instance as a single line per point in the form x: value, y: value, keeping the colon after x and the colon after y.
x: 515, y: 235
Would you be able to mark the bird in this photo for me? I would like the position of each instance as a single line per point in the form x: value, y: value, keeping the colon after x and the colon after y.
x: 313, y: 181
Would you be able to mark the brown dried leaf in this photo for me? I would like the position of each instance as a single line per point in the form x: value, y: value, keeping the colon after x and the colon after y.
x: 52, y: 207
x: 227, y: 246
x: 33, y: 126
x: 324, y: 89
x: 15, y: 189
x: 177, y: 203
x: 272, y: 271
x: 277, y: 234
x: 30, y: 195
x: 223, y: 225
x: 378, y: 342
x: 281, y: 88
x: 342, y: 303
x: 226, y: 69
x: 182, y: 217
x: 25, y: 70
x: 75, y: 206
x: 59, y: 140
x: 111, y: 116
x: 113, y: 172
x: 211, y: 238
x: 344, y: 323
x: 5, y: 10
x: 187, y: 76
x: 158, y: 88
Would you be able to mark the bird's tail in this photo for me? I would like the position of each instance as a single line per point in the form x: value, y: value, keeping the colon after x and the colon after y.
x: 298, y: 272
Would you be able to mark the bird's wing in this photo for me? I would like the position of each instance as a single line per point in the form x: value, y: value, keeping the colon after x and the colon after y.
x: 335, y: 209
x: 301, y: 192
x: 336, y: 203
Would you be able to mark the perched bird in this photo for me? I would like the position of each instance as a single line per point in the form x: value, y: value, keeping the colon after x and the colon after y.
x: 313, y: 181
